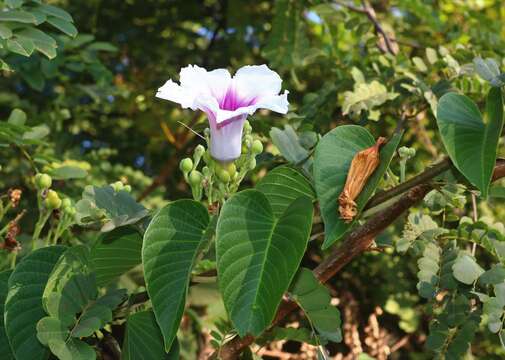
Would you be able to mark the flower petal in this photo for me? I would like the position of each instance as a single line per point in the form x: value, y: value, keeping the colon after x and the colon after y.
x: 199, y: 88
x: 256, y: 81
x: 226, y: 140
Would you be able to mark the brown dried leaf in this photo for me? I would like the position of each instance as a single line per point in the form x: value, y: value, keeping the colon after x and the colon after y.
x: 362, y: 167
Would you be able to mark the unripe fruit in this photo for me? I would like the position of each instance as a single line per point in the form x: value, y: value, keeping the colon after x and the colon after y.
x: 43, y: 181
x: 223, y: 175
x: 195, y: 178
x: 257, y: 147
x: 186, y: 165
x: 53, y: 201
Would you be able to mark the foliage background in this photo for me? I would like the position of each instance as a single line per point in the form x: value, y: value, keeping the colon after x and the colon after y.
x: 97, y: 99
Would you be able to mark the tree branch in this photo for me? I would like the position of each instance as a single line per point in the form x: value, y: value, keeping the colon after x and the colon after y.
x: 358, y: 241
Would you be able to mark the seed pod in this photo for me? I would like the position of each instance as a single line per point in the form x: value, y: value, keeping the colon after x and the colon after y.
x: 363, y: 165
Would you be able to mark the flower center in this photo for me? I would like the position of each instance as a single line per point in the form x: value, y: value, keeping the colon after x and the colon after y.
x: 232, y: 101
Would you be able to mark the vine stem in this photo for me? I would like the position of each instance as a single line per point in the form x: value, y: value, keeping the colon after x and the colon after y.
x: 359, y: 240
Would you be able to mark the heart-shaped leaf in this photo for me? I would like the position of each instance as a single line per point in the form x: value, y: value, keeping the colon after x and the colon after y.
x: 258, y: 255
x: 282, y: 186
x: 332, y: 161
x: 470, y: 142
x: 5, y: 348
x: 137, y: 345
x: 23, y: 306
x: 116, y: 252
x: 171, y: 244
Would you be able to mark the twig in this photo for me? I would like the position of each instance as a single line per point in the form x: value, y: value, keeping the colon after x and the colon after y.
x: 370, y: 13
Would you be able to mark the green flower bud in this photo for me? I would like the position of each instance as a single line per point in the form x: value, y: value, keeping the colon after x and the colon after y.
x: 223, y: 175
x: 195, y: 178
x: 43, y: 181
x: 232, y: 169
x: 406, y: 152
x: 257, y: 147
x: 206, y: 171
x: 186, y: 165
x: 252, y: 164
x: 66, y: 204
x: 52, y: 200
x: 127, y: 188
x: 117, y: 186
x: 199, y: 150
x: 247, y: 127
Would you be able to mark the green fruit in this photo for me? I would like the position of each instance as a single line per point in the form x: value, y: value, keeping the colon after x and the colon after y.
x: 257, y: 147
x: 43, y: 181
x: 53, y: 201
x: 195, y: 178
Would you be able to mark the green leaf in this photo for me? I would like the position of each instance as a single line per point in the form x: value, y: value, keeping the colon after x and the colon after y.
x: 315, y: 300
x: 55, y: 12
x: 137, y: 345
x: 493, y: 276
x: 471, y: 143
x: 17, y: 16
x: 120, y: 207
x: 428, y: 271
x: 366, y: 96
x: 418, y: 226
x: 332, y: 160
x: 52, y: 333
x: 43, y: 42
x: 63, y: 25
x: 5, y: 348
x: 67, y: 172
x: 115, y: 253
x: 257, y: 256
x: 288, y: 143
x: 466, y: 269
x: 23, y: 306
x: 282, y: 186
x: 17, y: 117
x: 488, y: 70
x: 36, y: 133
x: 5, y: 32
x: 497, y: 191
x: 171, y: 244
x: 20, y: 46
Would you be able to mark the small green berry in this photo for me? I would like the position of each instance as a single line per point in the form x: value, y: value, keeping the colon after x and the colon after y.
x: 257, y: 147
x: 186, y: 165
x: 43, y: 181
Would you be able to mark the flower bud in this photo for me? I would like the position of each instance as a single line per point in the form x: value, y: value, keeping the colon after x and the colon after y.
x: 406, y: 152
x: 223, y: 175
x: 117, y: 186
x: 127, y: 188
x: 52, y: 200
x: 195, y: 178
x: 66, y: 204
x: 257, y: 147
x: 43, y: 181
x: 252, y: 163
x: 198, y: 153
x: 232, y: 169
x: 247, y: 127
x: 186, y: 165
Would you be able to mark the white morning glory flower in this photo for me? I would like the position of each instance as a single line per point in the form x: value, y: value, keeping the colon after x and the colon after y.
x: 227, y: 101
